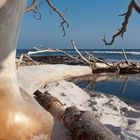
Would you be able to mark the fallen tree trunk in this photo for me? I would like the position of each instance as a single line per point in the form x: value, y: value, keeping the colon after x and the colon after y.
x: 82, y: 124
x: 36, y: 76
x: 85, y: 126
x: 19, y: 119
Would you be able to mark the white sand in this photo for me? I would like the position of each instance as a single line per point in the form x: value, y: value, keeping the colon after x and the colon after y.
x: 110, y: 110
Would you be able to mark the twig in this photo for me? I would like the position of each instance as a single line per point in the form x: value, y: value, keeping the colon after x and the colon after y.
x: 70, y: 55
x: 97, y: 59
x: 32, y: 6
x: 37, y: 14
x: 64, y: 21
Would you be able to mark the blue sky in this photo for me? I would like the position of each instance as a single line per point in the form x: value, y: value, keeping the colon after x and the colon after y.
x: 89, y: 21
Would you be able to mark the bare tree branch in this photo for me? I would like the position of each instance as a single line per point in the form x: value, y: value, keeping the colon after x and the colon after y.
x: 31, y: 7
x: 35, y: 8
x: 74, y: 46
x: 133, y: 5
x: 64, y: 21
x: 136, y: 6
x: 53, y: 50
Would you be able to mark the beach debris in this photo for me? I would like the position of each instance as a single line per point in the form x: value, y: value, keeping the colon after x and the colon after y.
x: 26, y: 60
x: 102, y: 105
x: 96, y: 64
x: 82, y: 124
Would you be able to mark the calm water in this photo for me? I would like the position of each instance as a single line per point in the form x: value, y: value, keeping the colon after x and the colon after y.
x: 128, y: 89
x: 115, y: 86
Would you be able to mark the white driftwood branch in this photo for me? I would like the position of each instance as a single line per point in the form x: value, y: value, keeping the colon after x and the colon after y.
x: 74, y: 46
x: 53, y: 50
x: 124, y: 54
x: 40, y: 51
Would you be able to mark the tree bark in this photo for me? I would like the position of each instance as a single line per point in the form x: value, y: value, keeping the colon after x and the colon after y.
x: 19, y: 120
x: 85, y: 126
x: 82, y: 124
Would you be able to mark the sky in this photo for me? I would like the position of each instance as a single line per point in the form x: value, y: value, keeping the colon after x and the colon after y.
x: 89, y: 21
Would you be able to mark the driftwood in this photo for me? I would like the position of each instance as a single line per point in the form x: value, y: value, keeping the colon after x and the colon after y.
x: 125, y: 57
x: 19, y: 119
x: 26, y: 60
x: 82, y: 124
x: 53, y: 50
x: 97, y: 65
x: 85, y: 126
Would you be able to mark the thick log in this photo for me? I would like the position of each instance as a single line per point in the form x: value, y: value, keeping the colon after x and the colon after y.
x: 82, y: 124
x: 19, y: 119
x: 37, y: 76
x: 85, y: 126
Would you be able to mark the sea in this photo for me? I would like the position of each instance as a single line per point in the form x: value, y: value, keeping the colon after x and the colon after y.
x: 129, y: 89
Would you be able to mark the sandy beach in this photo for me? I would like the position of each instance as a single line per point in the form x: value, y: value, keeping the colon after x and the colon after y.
x: 121, y: 118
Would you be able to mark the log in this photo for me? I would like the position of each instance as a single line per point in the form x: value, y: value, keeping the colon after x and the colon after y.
x: 82, y: 124
x: 85, y: 126
x: 19, y: 119
x: 49, y: 103
x: 37, y: 76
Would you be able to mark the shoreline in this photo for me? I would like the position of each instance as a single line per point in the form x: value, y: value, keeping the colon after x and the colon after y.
x: 123, y: 86
x: 110, y: 110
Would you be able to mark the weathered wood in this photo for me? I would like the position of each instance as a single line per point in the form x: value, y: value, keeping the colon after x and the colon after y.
x: 26, y: 60
x: 84, y: 59
x: 54, y: 50
x: 82, y: 124
x: 19, y: 119
x: 85, y: 126
x: 124, y: 54
x: 51, y: 104
x: 97, y: 67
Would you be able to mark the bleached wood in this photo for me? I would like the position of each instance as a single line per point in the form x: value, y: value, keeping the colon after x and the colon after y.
x: 53, y: 50
x: 74, y: 46
x: 81, y: 124
x: 19, y: 119
x: 37, y: 76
